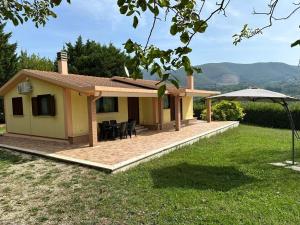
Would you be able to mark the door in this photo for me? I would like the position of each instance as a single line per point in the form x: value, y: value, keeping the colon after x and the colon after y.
x: 133, y: 109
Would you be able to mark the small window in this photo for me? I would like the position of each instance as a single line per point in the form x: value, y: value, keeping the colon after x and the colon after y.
x: 43, y: 105
x: 107, y: 104
x: 166, y: 100
x: 17, y: 106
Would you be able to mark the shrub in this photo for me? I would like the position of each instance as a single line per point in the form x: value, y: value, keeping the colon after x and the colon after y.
x: 199, y: 106
x: 226, y: 110
x: 270, y: 115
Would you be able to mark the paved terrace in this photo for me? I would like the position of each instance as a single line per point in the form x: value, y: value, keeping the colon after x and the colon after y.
x: 117, y: 155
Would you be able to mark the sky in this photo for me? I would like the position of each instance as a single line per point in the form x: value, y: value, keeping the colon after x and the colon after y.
x: 101, y: 21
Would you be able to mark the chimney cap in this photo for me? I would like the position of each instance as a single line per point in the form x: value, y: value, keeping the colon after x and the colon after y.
x: 62, y: 55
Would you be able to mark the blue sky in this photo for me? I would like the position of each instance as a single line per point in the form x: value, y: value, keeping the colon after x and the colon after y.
x: 100, y: 20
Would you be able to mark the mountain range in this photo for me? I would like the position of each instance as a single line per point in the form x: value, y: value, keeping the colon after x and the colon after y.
x: 226, y: 77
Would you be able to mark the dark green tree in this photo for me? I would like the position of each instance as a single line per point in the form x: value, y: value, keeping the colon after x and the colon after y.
x: 92, y: 58
x: 8, y: 56
x: 34, y: 62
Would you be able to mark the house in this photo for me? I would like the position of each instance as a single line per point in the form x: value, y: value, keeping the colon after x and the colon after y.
x: 69, y: 106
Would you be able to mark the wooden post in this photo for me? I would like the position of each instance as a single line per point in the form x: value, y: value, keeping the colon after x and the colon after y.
x: 160, y: 112
x: 92, y: 120
x: 177, y: 113
x: 208, y: 110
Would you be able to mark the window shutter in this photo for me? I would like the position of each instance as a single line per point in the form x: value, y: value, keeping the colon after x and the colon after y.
x: 17, y: 106
x: 52, y: 108
x: 34, y: 106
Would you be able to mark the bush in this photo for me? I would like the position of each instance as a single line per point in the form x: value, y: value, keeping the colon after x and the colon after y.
x: 199, y: 106
x: 270, y: 115
x: 226, y: 111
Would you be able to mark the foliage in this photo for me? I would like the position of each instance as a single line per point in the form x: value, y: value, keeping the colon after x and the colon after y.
x: 186, y: 19
x: 226, y: 111
x: 34, y: 62
x: 270, y: 115
x: 226, y: 179
x: 199, y: 106
x: 92, y: 58
x: 37, y: 11
x: 8, y: 56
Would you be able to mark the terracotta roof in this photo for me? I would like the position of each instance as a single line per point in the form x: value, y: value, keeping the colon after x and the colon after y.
x: 152, y: 84
x: 81, y: 81
x: 90, y: 84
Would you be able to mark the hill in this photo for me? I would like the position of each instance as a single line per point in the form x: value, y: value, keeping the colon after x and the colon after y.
x: 231, y: 76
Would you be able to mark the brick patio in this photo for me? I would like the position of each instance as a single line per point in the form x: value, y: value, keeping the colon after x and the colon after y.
x: 118, y: 154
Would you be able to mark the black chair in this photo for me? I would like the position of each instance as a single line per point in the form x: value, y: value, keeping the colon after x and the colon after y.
x: 105, y: 130
x: 131, y: 128
x: 112, y: 122
x: 123, y: 130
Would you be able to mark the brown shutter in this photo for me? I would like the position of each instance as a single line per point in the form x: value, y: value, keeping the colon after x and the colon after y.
x: 52, y: 107
x: 34, y: 106
x: 17, y: 106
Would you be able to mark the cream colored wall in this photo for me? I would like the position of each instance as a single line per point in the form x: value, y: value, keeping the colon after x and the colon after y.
x: 146, y: 111
x: 45, y: 126
x: 79, y: 114
x: 167, y: 115
x: 120, y: 116
x: 187, y: 108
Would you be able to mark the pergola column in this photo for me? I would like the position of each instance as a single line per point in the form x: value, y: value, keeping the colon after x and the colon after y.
x: 160, y: 112
x: 92, y: 121
x: 177, y: 113
x: 208, y: 110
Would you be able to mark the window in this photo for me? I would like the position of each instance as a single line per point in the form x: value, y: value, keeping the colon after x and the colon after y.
x: 43, y: 105
x: 107, y: 104
x: 166, y: 100
x: 17, y: 106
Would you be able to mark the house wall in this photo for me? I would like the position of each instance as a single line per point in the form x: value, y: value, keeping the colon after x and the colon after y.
x: 44, y: 126
x: 146, y: 111
x: 79, y: 114
x: 120, y: 116
x: 167, y: 115
x: 187, y: 108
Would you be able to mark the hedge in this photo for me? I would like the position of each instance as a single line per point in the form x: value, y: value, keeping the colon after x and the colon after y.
x: 270, y: 115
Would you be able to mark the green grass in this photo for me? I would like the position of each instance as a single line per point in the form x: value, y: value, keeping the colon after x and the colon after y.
x: 2, y: 130
x: 221, y: 180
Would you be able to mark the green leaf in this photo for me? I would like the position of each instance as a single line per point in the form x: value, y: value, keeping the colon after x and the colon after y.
x: 162, y: 90
x: 184, y: 37
x: 121, y: 2
x: 200, y: 26
x: 135, y: 21
x: 295, y: 43
x: 173, y: 29
x: 123, y: 9
x: 175, y: 83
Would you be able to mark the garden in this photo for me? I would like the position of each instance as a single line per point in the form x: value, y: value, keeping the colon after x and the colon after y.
x: 226, y: 179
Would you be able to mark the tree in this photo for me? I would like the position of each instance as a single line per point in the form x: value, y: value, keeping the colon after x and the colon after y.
x: 8, y: 56
x: 34, y: 62
x: 18, y: 11
x: 92, y: 58
x: 186, y: 19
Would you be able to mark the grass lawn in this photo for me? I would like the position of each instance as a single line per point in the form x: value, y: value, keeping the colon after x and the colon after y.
x: 225, y: 179
x: 2, y: 130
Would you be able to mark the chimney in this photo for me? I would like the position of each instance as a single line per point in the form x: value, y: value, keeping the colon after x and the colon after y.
x: 62, y: 62
x: 190, y: 82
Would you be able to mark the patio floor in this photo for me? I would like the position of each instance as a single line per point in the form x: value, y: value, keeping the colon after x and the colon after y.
x: 119, y: 154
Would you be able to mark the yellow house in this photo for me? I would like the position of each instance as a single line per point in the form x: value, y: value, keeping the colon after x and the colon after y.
x: 70, y: 106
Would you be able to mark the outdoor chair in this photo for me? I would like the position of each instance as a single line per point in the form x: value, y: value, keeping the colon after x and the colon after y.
x: 105, y: 130
x: 123, y: 130
x: 112, y: 122
x: 131, y: 128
